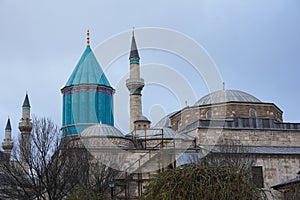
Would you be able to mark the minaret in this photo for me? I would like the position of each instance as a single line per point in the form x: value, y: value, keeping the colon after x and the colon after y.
x: 25, y: 127
x: 134, y: 84
x: 7, y: 144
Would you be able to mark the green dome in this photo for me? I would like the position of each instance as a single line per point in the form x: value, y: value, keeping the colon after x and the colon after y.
x: 87, y: 96
x: 88, y: 71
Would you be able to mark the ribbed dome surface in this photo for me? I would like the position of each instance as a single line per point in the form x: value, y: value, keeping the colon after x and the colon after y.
x: 142, y: 118
x: 88, y: 71
x: 223, y: 96
x: 101, y: 130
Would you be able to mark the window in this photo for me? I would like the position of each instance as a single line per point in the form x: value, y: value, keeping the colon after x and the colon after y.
x: 178, y: 124
x: 266, y: 123
x: 257, y: 176
x: 208, y: 114
x: 245, y: 122
x: 253, y: 121
x: 252, y: 112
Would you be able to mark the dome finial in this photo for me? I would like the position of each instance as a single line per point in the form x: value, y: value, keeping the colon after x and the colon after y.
x: 133, y: 31
x: 223, y: 85
x: 88, y: 38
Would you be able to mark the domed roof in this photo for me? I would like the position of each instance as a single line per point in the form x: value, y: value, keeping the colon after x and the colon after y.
x: 101, y: 130
x: 223, y: 96
x: 88, y: 71
x: 142, y: 118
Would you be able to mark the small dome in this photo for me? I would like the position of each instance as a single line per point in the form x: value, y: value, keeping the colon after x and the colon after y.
x: 101, y: 130
x: 142, y: 118
x: 223, y: 96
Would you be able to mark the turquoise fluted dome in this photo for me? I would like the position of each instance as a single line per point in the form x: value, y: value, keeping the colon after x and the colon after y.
x: 88, y: 71
x: 87, y: 96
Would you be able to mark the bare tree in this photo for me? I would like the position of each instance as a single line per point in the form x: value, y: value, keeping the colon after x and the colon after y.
x: 50, y: 169
x: 97, y: 186
x: 102, y: 173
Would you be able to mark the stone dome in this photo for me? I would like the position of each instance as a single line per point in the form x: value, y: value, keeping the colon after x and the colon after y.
x: 142, y: 118
x: 102, y: 130
x: 223, y: 96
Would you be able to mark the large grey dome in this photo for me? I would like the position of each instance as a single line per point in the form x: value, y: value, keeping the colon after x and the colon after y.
x: 101, y: 130
x: 223, y: 96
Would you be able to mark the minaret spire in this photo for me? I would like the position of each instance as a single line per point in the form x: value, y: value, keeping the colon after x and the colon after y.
x: 7, y: 144
x: 25, y: 127
x: 8, y: 125
x: 26, y: 103
x: 134, y: 84
x: 134, y: 54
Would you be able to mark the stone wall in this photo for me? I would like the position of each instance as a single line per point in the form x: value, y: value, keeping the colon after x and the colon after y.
x: 278, y: 168
x: 249, y: 137
x: 226, y: 110
x: 111, y: 142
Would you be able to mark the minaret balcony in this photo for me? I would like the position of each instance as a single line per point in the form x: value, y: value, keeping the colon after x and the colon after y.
x: 25, y: 126
x: 135, y: 85
x: 7, y: 144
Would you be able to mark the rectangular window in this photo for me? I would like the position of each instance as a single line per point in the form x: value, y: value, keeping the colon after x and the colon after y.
x: 266, y: 123
x: 257, y: 176
x: 254, y: 122
x: 246, y: 123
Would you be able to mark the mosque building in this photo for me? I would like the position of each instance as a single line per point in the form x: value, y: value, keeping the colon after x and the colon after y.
x: 190, y: 132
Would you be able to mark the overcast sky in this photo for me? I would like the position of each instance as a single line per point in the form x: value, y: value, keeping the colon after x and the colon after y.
x: 254, y: 44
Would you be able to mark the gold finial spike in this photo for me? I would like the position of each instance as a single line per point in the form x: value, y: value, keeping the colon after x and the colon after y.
x: 88, y: 38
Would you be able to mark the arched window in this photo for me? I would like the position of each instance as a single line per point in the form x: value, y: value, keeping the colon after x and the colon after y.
x: 178, y: 124
x: 208, y: 114
x: 252, y: 112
